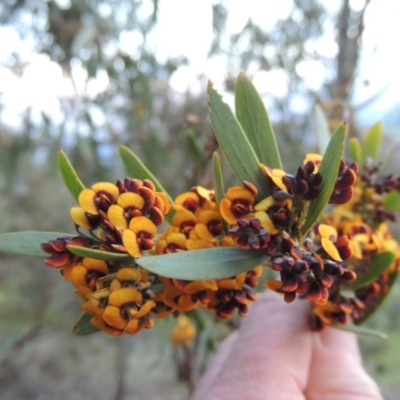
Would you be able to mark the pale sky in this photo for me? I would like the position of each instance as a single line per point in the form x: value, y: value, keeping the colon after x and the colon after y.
x: 184, y: 28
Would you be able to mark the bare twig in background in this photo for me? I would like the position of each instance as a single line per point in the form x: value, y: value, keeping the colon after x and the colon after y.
x: 121, y: 370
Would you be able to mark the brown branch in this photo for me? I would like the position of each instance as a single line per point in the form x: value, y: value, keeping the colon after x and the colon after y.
x: 120, y: 370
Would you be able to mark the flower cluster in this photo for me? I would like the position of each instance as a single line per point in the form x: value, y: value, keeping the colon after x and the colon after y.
x: 124, y: 219
x: 125, y: 215
x: 117, y: 301
x: 363, y: 222
x: 122, y: 297
x: 310, y: 274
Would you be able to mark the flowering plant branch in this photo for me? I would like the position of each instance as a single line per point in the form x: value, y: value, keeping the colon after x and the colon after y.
x: 322, y: 231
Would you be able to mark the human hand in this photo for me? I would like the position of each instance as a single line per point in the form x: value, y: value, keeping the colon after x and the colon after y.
x: 274, y: 355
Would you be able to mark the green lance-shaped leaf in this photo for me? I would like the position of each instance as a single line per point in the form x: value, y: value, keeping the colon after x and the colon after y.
x: 97, y: 254
x: 369, y: 312
x: 217, y: 178
x: 194, y: 150
x: 355, y: 150
x: 380, y: 262
x: 235, y: 145
x: 10, y: 340
x: 392, y: 201
x: 253, y: 118
x: 329, y: 170
x: 28, y: 243
x: 372, y: 142
x: 215, y: 263
x: 83, y: 326
x: 69, y: 175
x: 218, y: 183
x: 361, y: 331
x: 136, y: 169
x: 322, y: 127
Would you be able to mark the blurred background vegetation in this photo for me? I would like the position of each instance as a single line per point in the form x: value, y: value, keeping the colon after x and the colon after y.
x: 89, y: 75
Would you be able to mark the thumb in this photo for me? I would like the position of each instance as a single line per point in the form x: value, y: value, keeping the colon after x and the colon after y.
x: 336, y: 369
x: 269, y: 356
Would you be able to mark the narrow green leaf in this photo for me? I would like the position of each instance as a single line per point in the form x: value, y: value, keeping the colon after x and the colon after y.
x: 217, y: 178
x: 380, y: 262
x: 392, y: 201
x: 215, y: 263
x: 218, y: 183
x: 359, y: 330
x: 253, y: 118
x: 355, y: 150
x: 83, y: 326
x: 69, y: 175
x: 323, y: 132
x: 235, y: 145
x: 97, y: 254
x: 328, y: 169
x: 136, y: 169
x: 27, y: 243
x: 389, y: 160
x: 369, y: 312
x: 10, y: 340
x: 195, y: 152
x: 372, y: 142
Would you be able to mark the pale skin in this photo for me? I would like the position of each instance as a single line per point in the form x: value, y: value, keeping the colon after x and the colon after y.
x: 274, y: 355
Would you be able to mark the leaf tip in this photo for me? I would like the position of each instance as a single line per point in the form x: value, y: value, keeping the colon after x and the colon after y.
x: 242, y: 75
x: 61, y: 154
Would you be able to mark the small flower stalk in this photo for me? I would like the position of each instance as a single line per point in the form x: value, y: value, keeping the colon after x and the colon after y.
x: 319, y: 234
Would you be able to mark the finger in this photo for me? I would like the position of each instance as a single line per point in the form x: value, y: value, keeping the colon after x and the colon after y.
x: 270, y: 356
x: 337, y: 371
